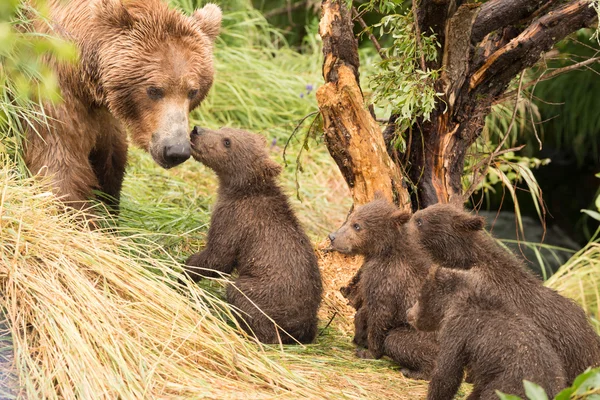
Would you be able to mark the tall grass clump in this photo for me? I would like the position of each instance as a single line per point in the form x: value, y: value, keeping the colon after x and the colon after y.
x: 89, y: 320
x: 25, y: 80
x: 579, y: 279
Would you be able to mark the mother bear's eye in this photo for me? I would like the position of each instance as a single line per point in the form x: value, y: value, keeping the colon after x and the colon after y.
x: 192, y: 93
x: 155, y: 93
x: 356, y: 227
x: 227, y: 143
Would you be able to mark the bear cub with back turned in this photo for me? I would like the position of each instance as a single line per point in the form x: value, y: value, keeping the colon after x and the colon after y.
x: 254, y: 230
x: 497, y: 346
x: 455, y: 239
x: 388, y: 284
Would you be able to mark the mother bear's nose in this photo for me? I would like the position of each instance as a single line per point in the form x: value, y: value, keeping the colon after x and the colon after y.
x: 332, y: 237
x: 177, y: 152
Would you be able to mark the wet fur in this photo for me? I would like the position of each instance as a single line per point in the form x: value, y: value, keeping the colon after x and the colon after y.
x: 495, y: 344
x: 455, y: 239
x: 388, y: 285
x: 253, y: 230
x: 122, y: 50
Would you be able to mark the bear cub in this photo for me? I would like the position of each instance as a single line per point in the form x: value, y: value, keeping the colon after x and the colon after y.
x: 388, y: 284
x: 455, y: 239
x: 354, y: 294
x: 254, y: 230
x: 497, y: 346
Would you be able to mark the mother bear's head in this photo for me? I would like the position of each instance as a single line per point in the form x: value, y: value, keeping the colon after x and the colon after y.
x: 155, y: 66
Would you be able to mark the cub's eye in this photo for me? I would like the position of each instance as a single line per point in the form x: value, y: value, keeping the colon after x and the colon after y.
x: 356, y: 227
x: 227, y: 143
x: 155, y: 93
x: 192, y: 94
x: 419, y: 222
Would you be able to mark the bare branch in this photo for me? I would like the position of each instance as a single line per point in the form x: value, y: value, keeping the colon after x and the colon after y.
x: 418, y: 36
x: 431, y: 18
x: 550, y: 75
x: 496, y: 14
x: 372, y: 38
x: 526, y: 49
x: 352, y: 135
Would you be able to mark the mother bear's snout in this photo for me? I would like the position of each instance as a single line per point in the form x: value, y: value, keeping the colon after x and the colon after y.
x: 176, y: 151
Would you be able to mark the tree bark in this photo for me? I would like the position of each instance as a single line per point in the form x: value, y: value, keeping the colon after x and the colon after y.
x: 483, y: 47
x: 474, y: 76
x: 353, y: 137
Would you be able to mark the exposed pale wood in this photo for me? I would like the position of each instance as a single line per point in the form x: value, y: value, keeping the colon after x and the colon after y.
x: 484, y: 46
x: 352, y: 135
x: 526, y: 49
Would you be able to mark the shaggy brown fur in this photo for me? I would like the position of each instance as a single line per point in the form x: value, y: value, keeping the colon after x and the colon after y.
x: 142, y: 66
x: 455, y: 239
x: 389, y: 283
x: 254, y: 230
x: 496, y: 345
x: 353, y: 293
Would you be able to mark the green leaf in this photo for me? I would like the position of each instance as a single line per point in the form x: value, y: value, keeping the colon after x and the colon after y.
x: 534, y: 391
x: 504, y: 396
x: 593, y: 214
x: 591, y: 381
x: 564, y: 394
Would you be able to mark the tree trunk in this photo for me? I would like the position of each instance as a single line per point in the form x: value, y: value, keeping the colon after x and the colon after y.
x: 482, y: 53
x: 352, y: 135
x: 483, y: 47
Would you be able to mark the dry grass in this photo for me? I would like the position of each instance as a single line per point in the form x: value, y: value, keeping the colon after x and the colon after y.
x: 579, y: 279
x: 96, y: 315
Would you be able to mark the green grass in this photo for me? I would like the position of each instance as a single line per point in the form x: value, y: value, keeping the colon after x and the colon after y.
x: 165, y: 216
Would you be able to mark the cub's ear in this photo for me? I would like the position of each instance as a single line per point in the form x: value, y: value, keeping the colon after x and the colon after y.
x: 209, y: 19
x: 400, y: 217
x: 113, y: 13
x: 271, y: 168
x: 471, y: 223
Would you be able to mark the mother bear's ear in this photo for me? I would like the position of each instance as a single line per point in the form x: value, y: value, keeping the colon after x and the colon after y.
x: 209, y: 19
x: 113, y: 13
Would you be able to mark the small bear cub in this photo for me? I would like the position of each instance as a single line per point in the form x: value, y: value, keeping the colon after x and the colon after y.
x: 497, y: 346
x: 386, y: 286
x: 254, y: 230
x: 456, y: 239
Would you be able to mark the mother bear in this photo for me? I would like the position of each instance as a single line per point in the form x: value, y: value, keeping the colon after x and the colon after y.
x: 142, y: 66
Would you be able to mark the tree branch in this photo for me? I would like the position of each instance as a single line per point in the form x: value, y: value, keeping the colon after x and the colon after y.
x: 525, y: 50
x: 547, y: 76
x: 352, y: 135
x: 496, y: 14
x: 431, y: 17
x: 372, y: 38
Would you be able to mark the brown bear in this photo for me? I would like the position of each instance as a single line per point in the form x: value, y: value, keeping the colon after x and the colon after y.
x: 254, y: 230
x: 353, y: 293
x: 389, y: 281
x: 142, y: 66
x: 497, y: 345
x: 456, y: 239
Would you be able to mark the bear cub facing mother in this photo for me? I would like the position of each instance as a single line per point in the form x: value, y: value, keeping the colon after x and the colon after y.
x: 254, y: 230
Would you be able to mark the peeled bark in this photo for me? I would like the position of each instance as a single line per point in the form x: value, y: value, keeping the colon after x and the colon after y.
x: 352, y: 135
x: 483, y: 47
x: 476, y: 70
